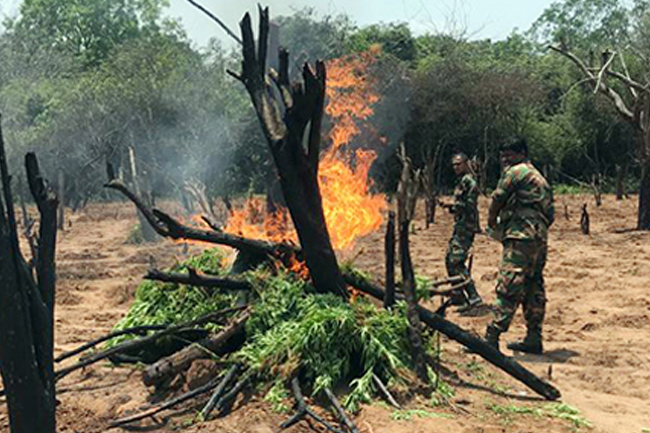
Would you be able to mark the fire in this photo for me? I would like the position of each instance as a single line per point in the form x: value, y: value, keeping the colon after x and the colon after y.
x: 254, y: 222
x: 351, y: 211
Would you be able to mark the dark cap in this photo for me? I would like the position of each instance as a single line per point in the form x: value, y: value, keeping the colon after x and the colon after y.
x: 515, y: 145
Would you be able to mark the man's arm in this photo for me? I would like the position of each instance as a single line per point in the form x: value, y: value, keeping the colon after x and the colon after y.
x: 500, y: 197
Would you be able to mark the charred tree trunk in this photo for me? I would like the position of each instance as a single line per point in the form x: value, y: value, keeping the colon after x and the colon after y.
x: 408, y: 285
x: 26, y: 340
x: 389, y: 249
x: 147, y: 232
x: 407, y: 193
x: 287, y: 120
x: 621, y: 174
x: 644, y: 200
x: 61, y: 194
x: 584, y: 220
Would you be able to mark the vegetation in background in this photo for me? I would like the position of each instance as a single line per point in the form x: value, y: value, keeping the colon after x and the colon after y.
x: 83, y: 82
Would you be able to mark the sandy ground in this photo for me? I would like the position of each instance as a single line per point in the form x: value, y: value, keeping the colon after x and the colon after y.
x: 596, y: 335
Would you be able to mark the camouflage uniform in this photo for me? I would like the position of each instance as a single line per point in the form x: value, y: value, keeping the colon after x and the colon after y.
x: 524, y: 219
x: 465, y: 210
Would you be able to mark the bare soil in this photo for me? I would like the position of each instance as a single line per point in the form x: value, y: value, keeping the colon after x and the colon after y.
x: 597, y: 330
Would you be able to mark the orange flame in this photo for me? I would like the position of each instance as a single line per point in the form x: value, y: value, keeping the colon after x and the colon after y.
x: 351, y: 211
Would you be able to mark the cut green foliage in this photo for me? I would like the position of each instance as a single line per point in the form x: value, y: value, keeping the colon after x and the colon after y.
x: 278, y: 395
x: 408, y: 415
x: 324, y: 337
x: 330, y: 342
x: 514, y: 409
x: 165, y: 303
x: 556, y: 410
x: 566, y: 412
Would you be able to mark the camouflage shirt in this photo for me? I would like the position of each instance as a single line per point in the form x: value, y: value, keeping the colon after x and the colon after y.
x: 527, y: 201
x: 465, y: 207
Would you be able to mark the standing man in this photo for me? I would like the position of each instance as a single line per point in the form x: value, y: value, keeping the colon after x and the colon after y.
x: 520, y: 215
x: 465, y: 210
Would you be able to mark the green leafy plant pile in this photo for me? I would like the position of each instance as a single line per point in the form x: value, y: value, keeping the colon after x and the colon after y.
x: 330, y: 342
x: 166, y: 303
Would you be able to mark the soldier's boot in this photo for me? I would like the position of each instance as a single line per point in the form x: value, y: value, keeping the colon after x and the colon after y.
x: 531, y: 344
x: 473, y: 299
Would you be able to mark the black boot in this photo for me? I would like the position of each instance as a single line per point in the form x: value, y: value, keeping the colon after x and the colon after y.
x: 527, y: 345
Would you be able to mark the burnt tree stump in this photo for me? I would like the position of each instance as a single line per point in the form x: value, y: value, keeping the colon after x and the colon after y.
x: 291, y: 114
x: 27, y: 319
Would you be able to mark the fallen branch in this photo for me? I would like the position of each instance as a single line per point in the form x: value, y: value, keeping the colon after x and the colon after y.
x: 171, y: 403
x: 194, y: 279
x: 165, y: 369
x: 303, y: 410
x: 218, y: 392
x: 468, y: 340
x: 225, y: 402
x: 339, y: 410
x: 167, y: 226
x: 138, y: 330
x: 135, y: 344
x: 386, y: 393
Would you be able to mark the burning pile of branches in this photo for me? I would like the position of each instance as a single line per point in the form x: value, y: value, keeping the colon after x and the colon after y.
x: 283, y: 330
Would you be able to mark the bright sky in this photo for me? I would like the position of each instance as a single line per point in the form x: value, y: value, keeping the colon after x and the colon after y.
x: 493, y: 19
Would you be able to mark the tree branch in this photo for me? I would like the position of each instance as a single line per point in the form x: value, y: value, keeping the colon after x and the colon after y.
x: 620, y: 105
x: 217, y: 20
x: 167, y: 226
x: 194, y: 279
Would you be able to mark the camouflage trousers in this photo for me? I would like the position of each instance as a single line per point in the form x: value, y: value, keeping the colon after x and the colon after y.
x: 521, y: 281
x: 456, y: 258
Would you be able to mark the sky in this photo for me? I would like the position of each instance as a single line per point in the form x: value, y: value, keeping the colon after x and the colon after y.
x: 478, y: 19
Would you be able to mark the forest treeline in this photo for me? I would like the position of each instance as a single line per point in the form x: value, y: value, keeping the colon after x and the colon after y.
x: 93, y: 81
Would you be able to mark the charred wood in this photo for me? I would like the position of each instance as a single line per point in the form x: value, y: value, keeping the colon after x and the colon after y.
x: 287, y: 117
x: 138, y: 330
x: 194, y: 279
x: 26, y: 340
x: 389, y: 249
x: 340, y: 412
x: 167, y: 405
x: 134, y: 344
x: 303, y: 410
x: 584, y: 220
x: 163, y: 371
x: 218, y: 392
x: 167, y: 226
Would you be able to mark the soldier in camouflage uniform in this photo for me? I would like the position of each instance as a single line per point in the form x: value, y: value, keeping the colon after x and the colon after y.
x: 465, y: 210
x: 520, y: 215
